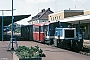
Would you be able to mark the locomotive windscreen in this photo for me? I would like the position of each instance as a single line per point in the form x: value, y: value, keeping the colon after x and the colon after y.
x: 69, y: 33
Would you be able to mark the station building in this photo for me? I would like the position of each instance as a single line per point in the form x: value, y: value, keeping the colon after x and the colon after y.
x: 42, y: 16
x: 75, y: 17
x: 7, y: 20
x: 64, y: 14
x: 86, y: 12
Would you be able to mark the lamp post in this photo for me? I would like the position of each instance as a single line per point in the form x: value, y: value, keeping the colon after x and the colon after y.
x: 3, y: 22
x: 12, y: 48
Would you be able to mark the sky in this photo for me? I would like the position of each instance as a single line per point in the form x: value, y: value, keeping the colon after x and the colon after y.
x: 25, y: 7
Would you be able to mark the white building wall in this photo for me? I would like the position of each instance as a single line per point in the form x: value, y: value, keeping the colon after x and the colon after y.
x: 37, y: 21
x: 42, y: 21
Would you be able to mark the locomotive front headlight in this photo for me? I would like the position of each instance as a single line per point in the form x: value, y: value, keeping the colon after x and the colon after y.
x: 78, y: 40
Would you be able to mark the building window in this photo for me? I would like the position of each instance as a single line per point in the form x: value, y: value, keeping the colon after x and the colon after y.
x: 89, y: 29
x: 53, y: 18
x: 37, y: 22
x: 59, y: 17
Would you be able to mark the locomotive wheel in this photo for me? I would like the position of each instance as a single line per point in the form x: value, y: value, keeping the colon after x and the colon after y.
x: 59, y: 43
x: 80, y: 45
x: 51, y: 42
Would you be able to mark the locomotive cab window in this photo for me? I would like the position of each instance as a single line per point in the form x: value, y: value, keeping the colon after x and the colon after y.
x: 42, y: 29
x: 36, y: 29
x: 58, y: 32
x: 69, y: 33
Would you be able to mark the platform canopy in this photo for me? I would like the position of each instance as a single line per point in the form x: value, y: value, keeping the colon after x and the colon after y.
x: 8, y: 19
x: 81, y: 18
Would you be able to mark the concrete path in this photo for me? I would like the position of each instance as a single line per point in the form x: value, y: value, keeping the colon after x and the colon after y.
x: 4, y: 54
x: 53, y: 53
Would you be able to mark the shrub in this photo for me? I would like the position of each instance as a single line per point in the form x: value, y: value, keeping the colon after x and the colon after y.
x: 29, y: 52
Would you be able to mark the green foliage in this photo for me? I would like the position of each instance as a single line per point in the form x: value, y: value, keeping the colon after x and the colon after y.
x: 18, y: 30
x: 32, y: 52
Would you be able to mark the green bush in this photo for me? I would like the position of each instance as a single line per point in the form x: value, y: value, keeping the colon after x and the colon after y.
x: 26, y: 52
x: 17, y: 30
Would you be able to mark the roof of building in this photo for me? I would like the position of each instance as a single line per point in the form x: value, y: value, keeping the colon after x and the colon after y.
x: 73, y: 10
x: 67, y: 11
x: 76, y: 19
x: 40, y: 15
x: 8, y: 19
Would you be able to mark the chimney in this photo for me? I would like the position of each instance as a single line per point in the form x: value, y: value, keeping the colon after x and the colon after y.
x: 43, y: 10
x: 48, y: 9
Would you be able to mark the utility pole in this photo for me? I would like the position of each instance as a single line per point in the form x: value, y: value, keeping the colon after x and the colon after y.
x: 12, y: 48
x: 12, y: 27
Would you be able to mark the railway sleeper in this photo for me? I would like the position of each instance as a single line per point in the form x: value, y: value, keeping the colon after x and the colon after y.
x: 85, y: 53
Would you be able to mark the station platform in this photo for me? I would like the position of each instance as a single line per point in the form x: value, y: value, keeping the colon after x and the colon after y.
x: 52, y: 53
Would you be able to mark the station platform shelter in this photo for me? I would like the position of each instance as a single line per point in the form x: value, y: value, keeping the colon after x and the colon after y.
x: 8, y: 20
x: 81, y: 23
